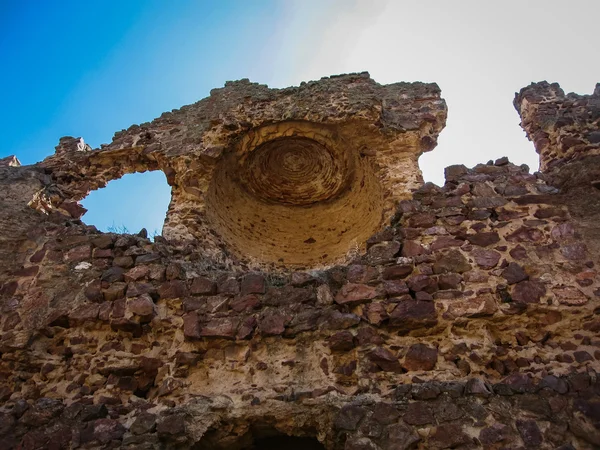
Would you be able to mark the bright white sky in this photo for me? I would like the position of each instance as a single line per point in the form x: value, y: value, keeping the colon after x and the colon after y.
x: 89, y: 69
x: 479, y: 52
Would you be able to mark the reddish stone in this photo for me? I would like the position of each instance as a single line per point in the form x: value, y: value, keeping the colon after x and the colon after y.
x: 247, y: 328
x: 135, y: 289
x: 127, y: 384
x: 147, y: 258
x: 445, y: 242
x: 300, y: 279
x: 144, y: 422
x: 84, y: 313
x: 230, y: 286
x: 191, y: 326
x: 8, y: 289
x: 481, y: 306
x: 114, y: 292
x: 519, y: 253
x: 273, y: 323
x: 563, y: 232
x: 203, y: 286
x: 174, y: 271
x: 383, y: 252
x: 413, y: 314
x: 136, y: 273
x: 582, y: 356
x: 78, y: 254
x: 193, y: 303
x: 171, y: 425
x: 215, y: 303
x: 288, y: 295
x: 30, y: 271
x: 102, y: 253
x: 575, y: 251
x: 156, y: 273
x: 449, y: 280
x: 142, y: 306
x: 397, y: 272
x: 514, y: 273
x: 484, y: 239
x: 528, y: 292
x: 448, y: 203
x: 355, y: 293
x: 486, y: 259
x: 418, y: 413
x: 225, y: 327
x: 338, y: 320
x: 421, y: 220
x: 13, y: 319
x: 586, y: 278
x: 385, y: 359
x: 38, y: 256
x: 360, y: 443
x: 453, y: 261
x: 449, y: 436
x: 361, y: 274
x: 349, y: 417
x: 487, y: 202
x: 420, y: 357
x: 113, y: 274
x: 173, y: 289
x: 341, y: 342
x: 401, y: 437
x: 547, y: 213
x: 570, y: 296
x: 394, y: 288
x: 454, y: 220
x: 525, y: 234
x: 455, y: 172
x: 103, y: 242
x: 530, y: 433
x: 244, y: 303
x: 253, y: 283
x: 93, y: 291
x: 118, y: 308
x: 422, y: 283
x: 126, y: 325
x: 368, y: 336
x: 375, y: 313
x: 123, y: 261
x: 412, y: 248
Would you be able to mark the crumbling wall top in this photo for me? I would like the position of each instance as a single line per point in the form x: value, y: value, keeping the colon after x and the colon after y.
x: 248, y: 162
x: 563, y: 127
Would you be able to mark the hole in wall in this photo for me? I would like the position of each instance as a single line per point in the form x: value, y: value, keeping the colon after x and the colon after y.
x: 287, y: 443
x: 294, y: 194
x: 126, y: 205
x: 260, y: 436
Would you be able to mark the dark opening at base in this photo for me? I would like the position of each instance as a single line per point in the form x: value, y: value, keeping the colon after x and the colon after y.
x: 286, y: 443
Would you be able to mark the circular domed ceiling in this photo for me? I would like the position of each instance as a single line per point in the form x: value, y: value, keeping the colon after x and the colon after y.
x: 294, y: 194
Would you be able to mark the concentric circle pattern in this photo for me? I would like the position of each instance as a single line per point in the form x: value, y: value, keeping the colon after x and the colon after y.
x: 294, y: 194
x: 293, y: 171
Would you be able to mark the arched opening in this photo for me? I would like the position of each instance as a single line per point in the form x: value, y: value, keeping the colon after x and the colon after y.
x: 129, y: 204
x: 286, y: 442
x: 258, y: 436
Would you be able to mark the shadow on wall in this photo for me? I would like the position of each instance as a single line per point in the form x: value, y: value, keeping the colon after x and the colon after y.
x: 133, y: 202
x: 287, y: 443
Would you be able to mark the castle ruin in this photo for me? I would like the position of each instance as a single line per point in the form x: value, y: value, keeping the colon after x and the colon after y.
x: 309, y: 290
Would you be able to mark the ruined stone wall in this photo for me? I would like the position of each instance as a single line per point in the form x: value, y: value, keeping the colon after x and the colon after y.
x: 469, y: 320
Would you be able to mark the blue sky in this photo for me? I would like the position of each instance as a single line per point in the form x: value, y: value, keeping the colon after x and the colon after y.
x: 90, y: 68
